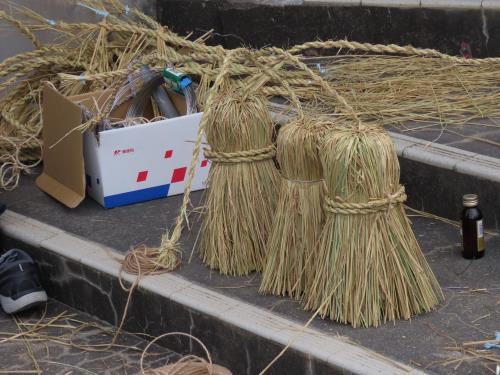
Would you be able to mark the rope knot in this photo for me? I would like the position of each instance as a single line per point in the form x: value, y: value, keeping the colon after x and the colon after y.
x: 248, y: 156
x: 339, y: 206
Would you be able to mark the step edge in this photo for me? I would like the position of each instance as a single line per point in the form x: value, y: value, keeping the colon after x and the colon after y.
x: 426, y: 152
x: 338, y: 352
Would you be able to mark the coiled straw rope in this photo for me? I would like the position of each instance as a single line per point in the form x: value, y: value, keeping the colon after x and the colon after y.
x: 188, y: 365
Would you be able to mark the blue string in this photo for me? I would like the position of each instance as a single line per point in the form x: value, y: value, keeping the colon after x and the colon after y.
x: 82, y: 78
x: 127, y: 10
x: 490, y: 345
x: 321, y: 70
x: 50, y: 22
x: 99, y: 12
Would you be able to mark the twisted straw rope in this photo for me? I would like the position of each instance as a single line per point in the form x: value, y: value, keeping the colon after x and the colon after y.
x: 389, y: 48
x: 241, y: 156
x: 214, y: 55
x: 23, y: 28
x: 161, y: 33
x: 338, y: 206
x: 145, y: 261
x: 218, y: 53
x: 30, y: 55
x: 22, y: 69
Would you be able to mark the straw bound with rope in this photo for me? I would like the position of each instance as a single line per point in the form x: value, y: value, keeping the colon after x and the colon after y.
x: 359, y: 87
x: 369, y: 260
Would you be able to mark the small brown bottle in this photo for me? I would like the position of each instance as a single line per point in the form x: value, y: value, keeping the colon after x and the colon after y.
x: 472, y: 228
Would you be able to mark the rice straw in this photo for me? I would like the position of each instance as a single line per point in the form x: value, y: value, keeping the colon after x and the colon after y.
x: 367, y: 248
x: 242, y: 183
x: 292, y: 247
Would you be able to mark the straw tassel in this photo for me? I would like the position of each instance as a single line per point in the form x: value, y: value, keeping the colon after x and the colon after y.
x: 292, y: 246
x: 243, y: 182
x: 371, y: 263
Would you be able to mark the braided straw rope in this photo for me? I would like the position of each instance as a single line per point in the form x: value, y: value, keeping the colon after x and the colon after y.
x: 29, y: 55
x: 387, y: 49
x: 338, y: 206
x: 248, y: 156
x: 78, y: 70
x: 25, y: 30
x: 218, y: 52
x: 63, y: 64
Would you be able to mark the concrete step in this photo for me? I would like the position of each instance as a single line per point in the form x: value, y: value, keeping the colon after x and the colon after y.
x: 240, y: 335
x: 59, y: 323
x: 437, y: 175
x: 243, y: 329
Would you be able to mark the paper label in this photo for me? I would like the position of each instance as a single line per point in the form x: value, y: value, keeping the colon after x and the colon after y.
x: 480, y: 236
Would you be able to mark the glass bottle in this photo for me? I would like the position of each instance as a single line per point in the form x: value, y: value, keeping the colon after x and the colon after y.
x: 472, y: 228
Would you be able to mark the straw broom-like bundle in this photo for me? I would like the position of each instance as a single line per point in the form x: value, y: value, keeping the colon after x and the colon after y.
x: 369, y: 254
x: 243, y: 181
x: 299, y: 213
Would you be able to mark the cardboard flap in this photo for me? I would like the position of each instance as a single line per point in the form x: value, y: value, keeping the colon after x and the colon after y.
x: 59, y: 191
x: 63, y: 174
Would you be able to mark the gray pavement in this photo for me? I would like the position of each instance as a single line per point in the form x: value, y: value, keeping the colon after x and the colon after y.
x: 72, y: 344
x: 471, y: 310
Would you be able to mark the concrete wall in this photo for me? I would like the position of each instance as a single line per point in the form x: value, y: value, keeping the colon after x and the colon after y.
x: 423, y: 4
x: 275, y: 22
x: 440, y: 24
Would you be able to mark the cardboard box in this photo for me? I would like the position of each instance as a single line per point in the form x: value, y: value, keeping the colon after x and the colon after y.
x: 120, y: 166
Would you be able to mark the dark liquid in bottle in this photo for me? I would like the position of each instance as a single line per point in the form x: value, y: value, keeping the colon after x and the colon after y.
x: 472, y: 233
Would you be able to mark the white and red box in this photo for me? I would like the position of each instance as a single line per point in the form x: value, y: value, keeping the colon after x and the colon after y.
x: 119, y: 166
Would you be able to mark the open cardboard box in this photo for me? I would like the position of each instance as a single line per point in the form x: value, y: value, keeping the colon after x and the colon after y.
x: 119, y: 166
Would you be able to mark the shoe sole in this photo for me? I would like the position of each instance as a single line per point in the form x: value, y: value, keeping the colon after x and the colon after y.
x: 11, y: 306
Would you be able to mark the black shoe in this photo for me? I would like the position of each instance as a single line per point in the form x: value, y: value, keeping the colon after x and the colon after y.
x: 20, y: 286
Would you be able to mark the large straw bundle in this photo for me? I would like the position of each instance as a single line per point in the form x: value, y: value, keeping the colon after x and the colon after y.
x: 243, y: 182
x: 393, y: 84
x: 299, y: 216
x: 372, y: 268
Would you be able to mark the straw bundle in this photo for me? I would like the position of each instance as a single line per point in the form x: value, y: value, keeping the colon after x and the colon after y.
x: 243, y: 182
x: 299, y: 214
x: 372, y: 268
x: 411, y: 85
x: 434, y: 90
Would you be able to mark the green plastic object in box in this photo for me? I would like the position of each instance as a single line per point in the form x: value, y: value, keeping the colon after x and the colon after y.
x: 179, y: 80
